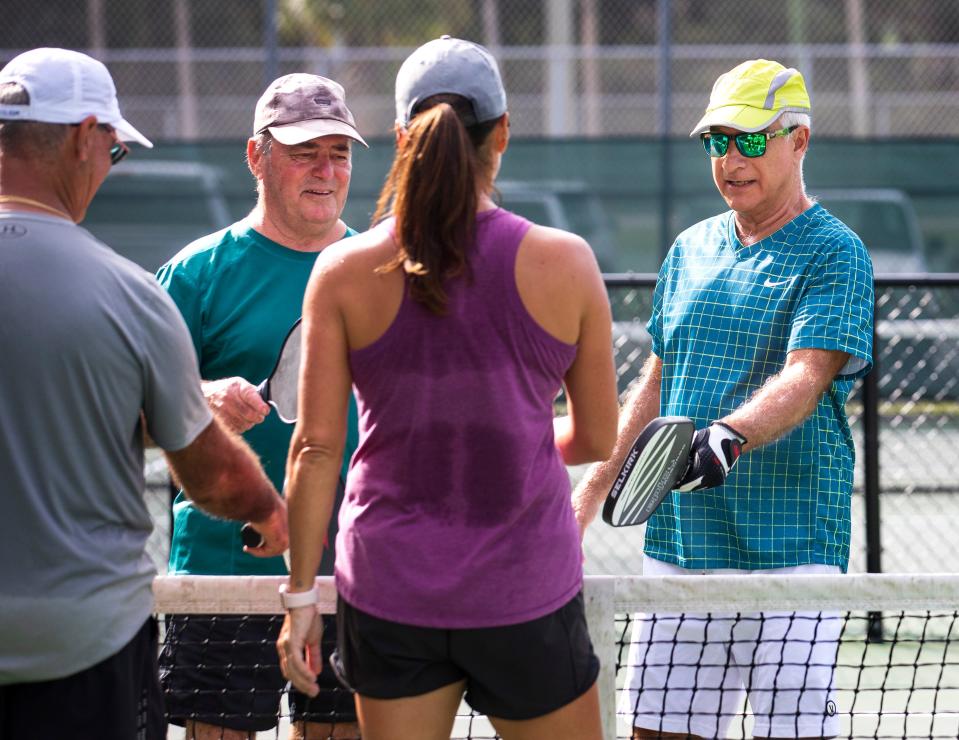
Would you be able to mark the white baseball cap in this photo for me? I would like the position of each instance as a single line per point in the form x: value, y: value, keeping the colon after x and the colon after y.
x: 65, y: 87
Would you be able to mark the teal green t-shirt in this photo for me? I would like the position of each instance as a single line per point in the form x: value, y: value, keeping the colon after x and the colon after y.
x: 239, y: 293
x: 724, y: 318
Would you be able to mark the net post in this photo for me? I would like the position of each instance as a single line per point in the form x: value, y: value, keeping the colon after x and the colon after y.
x: 173, y: 490
x: 870, y: 424
x: 600, y: 596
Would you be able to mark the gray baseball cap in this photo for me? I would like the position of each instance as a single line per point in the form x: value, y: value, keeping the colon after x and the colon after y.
x: 455, y: 66
x: 299, y: 107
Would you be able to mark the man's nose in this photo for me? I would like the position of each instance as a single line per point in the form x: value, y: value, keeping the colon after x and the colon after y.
x: 323, y: 167
x: 733, y: 158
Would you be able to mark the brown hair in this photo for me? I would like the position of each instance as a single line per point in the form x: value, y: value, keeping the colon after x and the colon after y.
x: 432, y: 190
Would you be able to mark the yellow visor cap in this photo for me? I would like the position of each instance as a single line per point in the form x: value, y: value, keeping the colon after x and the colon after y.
x: 752, y: 95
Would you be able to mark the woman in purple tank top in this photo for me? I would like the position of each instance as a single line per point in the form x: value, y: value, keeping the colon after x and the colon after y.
x: 457, y: 324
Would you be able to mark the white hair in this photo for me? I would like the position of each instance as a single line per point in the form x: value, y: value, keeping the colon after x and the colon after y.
x: 794, y: 118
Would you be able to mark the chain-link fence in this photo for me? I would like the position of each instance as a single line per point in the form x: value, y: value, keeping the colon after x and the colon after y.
x: 917, y: 373
x: 191, y: 69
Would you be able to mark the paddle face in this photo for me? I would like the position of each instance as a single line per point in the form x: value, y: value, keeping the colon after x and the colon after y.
x: 657, y: 459
x: 280, y: 389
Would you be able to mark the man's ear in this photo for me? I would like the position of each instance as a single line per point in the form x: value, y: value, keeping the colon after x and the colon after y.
x: 801, y: 140
x: 253, y: 156
x: 84, y: 138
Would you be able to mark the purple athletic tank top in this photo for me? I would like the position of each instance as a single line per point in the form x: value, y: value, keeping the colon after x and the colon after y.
x: 457, y: 511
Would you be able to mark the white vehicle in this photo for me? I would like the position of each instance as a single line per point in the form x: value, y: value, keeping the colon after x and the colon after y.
x: 886, y: 221
x: 884, y: 218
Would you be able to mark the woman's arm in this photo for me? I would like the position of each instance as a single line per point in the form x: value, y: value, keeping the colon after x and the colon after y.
x: 313, y: 465
x: 641, y: 407
x: 574, y: 306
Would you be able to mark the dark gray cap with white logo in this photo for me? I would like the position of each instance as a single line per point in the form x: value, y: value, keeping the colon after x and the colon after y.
x: 299, y: 107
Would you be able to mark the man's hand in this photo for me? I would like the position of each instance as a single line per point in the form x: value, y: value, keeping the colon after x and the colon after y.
x: 714, y: 451
x: 235, y: 402
x: 274, y: 536
x: 299, y: 648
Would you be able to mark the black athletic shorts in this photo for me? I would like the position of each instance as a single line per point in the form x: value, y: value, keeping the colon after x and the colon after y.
x: 117, y: 699
x: 224, y: 670
x: 516, y: 672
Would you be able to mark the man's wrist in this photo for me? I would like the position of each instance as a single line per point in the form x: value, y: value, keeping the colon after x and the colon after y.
x: 731, y: 432
x: 297, y: 599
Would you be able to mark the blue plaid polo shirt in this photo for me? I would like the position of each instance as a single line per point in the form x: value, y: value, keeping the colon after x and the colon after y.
x: 724, y: 317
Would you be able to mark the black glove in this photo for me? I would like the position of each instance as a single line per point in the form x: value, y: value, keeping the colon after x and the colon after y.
x: 714, y: 451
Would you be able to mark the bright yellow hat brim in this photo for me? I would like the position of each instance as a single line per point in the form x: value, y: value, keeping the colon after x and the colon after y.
x: 740, y: 117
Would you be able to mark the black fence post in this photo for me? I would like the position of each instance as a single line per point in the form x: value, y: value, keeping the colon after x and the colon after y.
x: 173, y: 491
x: 870, y: 425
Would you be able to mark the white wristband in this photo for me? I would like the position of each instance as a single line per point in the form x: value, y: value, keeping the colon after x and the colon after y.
x: 298, y: 599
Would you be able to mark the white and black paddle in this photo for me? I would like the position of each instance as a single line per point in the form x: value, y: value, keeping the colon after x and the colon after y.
x: 280, y: 389
x: 656, y: 461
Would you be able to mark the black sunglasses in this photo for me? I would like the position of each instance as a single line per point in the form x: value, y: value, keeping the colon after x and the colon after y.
x: 749, y: 145
x: 119, y: 150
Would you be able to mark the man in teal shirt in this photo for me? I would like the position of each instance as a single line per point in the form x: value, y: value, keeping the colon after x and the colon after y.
x: 240, y: 290
x: 762, y: 319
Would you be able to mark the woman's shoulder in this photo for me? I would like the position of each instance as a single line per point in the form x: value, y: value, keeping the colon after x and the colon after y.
x: 354, y: 253
x: 549, y: 244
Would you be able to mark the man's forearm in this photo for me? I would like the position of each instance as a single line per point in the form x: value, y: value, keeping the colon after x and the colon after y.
x: 221, y: 474
x: 788, y: 398
x: 243, y: 493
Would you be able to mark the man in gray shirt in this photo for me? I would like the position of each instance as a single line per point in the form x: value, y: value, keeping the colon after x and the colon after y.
x: 94, y: 353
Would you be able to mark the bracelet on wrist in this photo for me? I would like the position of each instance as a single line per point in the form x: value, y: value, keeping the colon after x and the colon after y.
x: 298, y: 599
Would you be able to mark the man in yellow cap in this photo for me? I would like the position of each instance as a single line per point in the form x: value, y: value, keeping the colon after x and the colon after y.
x: 761, y: 321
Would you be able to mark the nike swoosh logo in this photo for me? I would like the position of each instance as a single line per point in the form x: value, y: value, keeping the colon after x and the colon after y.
x: 770, y: 283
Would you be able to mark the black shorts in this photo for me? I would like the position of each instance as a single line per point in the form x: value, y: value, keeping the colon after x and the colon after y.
x: 224, y: 671
x: 516, y: 672
x: 117, y: 699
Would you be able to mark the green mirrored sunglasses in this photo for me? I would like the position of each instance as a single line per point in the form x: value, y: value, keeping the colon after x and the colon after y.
x: 749, y: 145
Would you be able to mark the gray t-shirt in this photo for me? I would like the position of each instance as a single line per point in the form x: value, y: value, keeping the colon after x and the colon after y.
x: 87, y: 341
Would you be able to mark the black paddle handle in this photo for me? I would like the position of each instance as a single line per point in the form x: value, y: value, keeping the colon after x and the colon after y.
x: 249, y: 536
x: 264, y: 390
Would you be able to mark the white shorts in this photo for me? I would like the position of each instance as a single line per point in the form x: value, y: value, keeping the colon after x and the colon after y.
x: 687, y: 674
